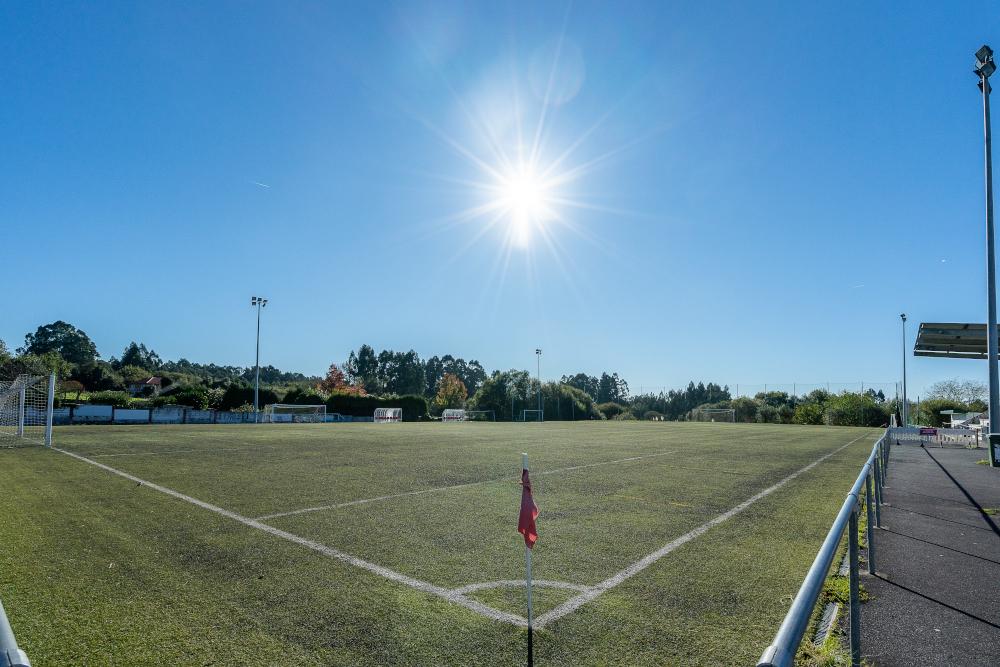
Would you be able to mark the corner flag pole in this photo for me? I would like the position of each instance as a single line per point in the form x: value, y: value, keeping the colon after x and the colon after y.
x: 527, y: 568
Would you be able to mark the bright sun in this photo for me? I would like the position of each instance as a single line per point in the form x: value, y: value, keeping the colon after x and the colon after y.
x: 525, y: 198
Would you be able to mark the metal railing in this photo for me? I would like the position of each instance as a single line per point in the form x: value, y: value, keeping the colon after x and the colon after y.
x: 10, y: 654
x: 781, y: 652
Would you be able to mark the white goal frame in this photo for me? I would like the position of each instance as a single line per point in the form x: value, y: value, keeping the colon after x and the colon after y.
x: 453, y: 415
x: 388, y: 415
x: 290, y: 413
x: 26, y: 407
x: 714, y: 415
x: 540, y: 414
x: 490, y: 415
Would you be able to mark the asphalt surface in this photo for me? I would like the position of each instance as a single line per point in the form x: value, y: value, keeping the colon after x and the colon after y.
x: 936, y: 590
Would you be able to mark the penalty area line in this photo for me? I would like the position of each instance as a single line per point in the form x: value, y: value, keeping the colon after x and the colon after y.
x: 362, y: 501
x: 454, y: 596
x: 635, y: 568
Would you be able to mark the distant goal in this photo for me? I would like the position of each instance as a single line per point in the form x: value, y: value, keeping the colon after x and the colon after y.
x: 388, y: 415
x: 26, y: 404
x: 283, y: 413
x: 532, y: 415
x: 480, y: 416
x: 453, y: 415
x: 713, y: 415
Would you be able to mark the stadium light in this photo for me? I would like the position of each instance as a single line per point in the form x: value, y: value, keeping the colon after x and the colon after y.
x: 538, y: 358
x: 906, y: 407
x: 257, y: 302
x: 984, y: 68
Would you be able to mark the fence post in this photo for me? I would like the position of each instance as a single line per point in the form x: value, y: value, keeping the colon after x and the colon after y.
x: 49, y: 406
x: 23, y: 394
x: 869, y: 498
x: 852, y: 529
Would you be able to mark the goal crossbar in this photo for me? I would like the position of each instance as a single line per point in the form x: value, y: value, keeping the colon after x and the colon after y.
x: 278, y: 413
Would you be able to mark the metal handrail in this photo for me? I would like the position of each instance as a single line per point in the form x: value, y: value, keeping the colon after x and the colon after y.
x: 10, y: 654
x: 781, y: 652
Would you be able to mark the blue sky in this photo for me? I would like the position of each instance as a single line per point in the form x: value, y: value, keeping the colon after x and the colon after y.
x: 753, y: 191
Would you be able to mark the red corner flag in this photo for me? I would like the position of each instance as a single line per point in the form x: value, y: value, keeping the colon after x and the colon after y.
x: 529, y: 512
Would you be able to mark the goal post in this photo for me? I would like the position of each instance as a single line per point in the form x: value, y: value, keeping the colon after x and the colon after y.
x: 453, y: 415
x: 287, y: 413
x: 532, y: 415
x: 26, y: 405
x: 713, y: 415
x: 388, y: 415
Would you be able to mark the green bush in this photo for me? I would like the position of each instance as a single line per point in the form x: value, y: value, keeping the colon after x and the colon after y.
x: 613, y: 410
x: 239, y: 393
x: 193, y: 396
x: 809, y: 413
x: 118, y: 399
x: 849, y: 409
x: 160, y: 401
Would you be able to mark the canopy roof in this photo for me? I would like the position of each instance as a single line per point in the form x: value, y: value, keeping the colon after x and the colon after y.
x: 951, y: 339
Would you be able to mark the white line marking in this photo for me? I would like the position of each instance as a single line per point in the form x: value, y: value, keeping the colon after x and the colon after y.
x: 423, y: 586
x: 362, y: 501
x: 635, y: 568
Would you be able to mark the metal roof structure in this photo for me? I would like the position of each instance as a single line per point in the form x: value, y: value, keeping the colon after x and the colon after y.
x: 951, y: 340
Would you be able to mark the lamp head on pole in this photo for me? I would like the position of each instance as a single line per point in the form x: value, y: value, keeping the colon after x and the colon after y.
x: 258, y: 301
x: 902, y: 316
x: 984, y: 64
x: 538, y: 350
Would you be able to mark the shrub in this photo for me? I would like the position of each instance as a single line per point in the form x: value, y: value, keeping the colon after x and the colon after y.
x: 193, y: 396
x: 118, y: 399
x: 612, y: 410
x: 160, y: 401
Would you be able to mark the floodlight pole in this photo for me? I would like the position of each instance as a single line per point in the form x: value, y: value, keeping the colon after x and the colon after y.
x: 906, y: 406
x: 984, y: 68
x: 258, y: 302
x: 538, y: 358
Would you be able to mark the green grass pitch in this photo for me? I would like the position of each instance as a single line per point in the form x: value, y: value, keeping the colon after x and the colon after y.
x: 100, y: 569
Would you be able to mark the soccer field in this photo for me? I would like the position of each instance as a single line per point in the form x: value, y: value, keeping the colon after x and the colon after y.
x: 365, y: 544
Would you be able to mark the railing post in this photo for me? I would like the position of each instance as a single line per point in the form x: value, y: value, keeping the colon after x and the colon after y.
x: 876, y: 480
x: 852, y: 529
x: 870, y: 529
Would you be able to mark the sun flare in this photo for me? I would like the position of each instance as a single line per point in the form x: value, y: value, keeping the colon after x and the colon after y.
x: 525, y: 199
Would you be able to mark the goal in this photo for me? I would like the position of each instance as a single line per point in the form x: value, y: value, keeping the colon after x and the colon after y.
x: 453, y: 415
x: 284, y: 413
x: 388, y: 415
x: 480, y: 416
x: 532, y: 415
x: 26, y: 410
x: 713, y: 415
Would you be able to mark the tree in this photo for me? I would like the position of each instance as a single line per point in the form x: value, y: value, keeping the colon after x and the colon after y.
x: 98, y: 376
x: 959, y: 391
x: 611, y: 389
x: 131, y: 373
x: 35, y: 364
x: 63, y: 338
x: 334, y: 380
x: 583, y: 382
x: 5, y: 354
x: 136, y: 354
x: 362, y: 368
x: 451, y: 392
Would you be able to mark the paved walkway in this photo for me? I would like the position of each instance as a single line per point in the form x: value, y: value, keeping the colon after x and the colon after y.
x: 936, y: 591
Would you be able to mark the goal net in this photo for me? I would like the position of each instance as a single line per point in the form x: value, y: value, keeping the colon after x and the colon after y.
x: 713, y: 415
x: 453, y: 415
x: 480, y: 416
x: 278, y: 413
x: 532, y: 415
x: 26, y: 410
x: 388, y: 415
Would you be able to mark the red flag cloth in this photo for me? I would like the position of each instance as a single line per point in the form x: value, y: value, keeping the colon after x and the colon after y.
x: 529, y: 512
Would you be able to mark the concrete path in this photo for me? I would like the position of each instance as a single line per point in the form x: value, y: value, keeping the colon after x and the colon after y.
x: 936, y: 591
